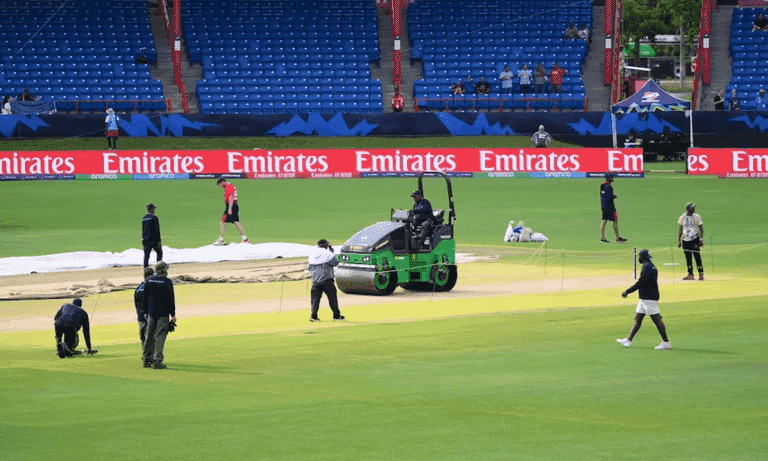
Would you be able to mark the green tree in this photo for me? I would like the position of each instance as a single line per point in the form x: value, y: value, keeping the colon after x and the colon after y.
x: 644, y: 19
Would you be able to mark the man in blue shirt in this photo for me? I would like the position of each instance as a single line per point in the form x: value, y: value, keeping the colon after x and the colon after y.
x: 761, y: 102
x: 150, y: 235
x: 609, y: 209
x: 67, y: 322
x: 421, y: 216
x: 648, y: 290
x: 111, y: 128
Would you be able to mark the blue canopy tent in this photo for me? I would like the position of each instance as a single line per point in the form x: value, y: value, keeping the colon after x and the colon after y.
x: 651, y: 98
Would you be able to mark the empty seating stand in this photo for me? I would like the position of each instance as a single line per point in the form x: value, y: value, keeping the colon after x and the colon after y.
x: 481, y: 37
x: 85, y: 52
x: 749, y: 51
x: 284, y: 56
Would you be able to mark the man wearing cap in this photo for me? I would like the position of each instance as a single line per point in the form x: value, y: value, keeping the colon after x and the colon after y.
x: 138, y: 301
x: 150, y: 234
x: 67, y: 322
x: 111, y: 128
x: 159, y: 303
x: 541, y: 138
x: 648, y: 291
x: 690, y: 235
x: 609, y: 209
x: 321, y: 262
x: 421, y: 215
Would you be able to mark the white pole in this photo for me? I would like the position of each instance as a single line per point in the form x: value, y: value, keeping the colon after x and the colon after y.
x: 690, y: 125
x: 613, y: 125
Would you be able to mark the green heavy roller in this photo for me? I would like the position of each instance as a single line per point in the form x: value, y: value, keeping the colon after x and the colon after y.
x: 380, y: 257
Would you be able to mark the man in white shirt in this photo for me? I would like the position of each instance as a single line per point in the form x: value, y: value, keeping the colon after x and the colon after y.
x: 690, y: 236
x: 506, y: 80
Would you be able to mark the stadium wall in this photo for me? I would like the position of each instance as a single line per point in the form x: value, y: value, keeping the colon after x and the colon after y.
x: 593, y: 129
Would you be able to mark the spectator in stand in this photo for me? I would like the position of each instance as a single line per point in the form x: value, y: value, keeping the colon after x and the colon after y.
x: 506, y: 80
x: 397, y: 101
x: 7, y: 105
x: 524, y: 75
x: 25, y: 96
x: 469, y: 85
x: 458, y: 88
x: 761, y: 23
x: 142, y: 58
x: 556, y: 78
x: 571, y: 33
x: 584, y: 34
x: 734, y: 103
x: 482, y: 87
x: 761, y: 102
x: 540, y: 79
x: 720, y: 100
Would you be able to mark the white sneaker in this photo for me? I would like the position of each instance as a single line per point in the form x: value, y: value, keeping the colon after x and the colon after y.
x: 624, y: 342
x: 245, y: 240
x: 665, y: 345
x: 219, y: 242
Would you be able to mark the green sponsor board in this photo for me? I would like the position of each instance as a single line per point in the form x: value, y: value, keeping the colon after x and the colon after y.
x: 502, y: 174
x: 102, y: 177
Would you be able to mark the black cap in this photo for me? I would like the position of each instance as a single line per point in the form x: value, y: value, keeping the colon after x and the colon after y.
x: 322, y: 242
x: 151, y: 206
x: 77, y: 302
x: 415, y: 193
x: 148, y: 271
x: 610, y: 174
x: 645, y: 255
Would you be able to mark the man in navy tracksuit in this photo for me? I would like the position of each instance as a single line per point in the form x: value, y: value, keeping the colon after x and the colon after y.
x: 138, y: 301
x: 648, y: 286
x: 150, y: 235
x: 67, y: 322
x: 609, y: 208
x: 159, y: 303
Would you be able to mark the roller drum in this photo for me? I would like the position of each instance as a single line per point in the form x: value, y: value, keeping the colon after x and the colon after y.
x: 357, y: 281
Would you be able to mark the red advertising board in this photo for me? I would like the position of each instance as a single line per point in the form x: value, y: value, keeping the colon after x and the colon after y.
x: 729, y: 163
x: 321, y: 162
x: 762, y: 3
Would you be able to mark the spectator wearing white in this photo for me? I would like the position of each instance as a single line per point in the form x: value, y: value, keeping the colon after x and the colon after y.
x: 761, y: 102
x: 506, y: 80
x: 524, y: 75
x: 584, y: 33
x: 571, y: 32
x: 7, y: 105
x: 541, y: 138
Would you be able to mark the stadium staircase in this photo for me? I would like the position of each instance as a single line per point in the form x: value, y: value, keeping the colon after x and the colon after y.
x: 722, y: 70
x: 410, y: 70
x: 163, y: 71
x: 479, y: 39
x: 750, y: 57
x: 599, y: 95
x: 79, y: 54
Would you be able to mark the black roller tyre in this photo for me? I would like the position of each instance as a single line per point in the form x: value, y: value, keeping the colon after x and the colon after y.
x: 385, y: 282
x: 445, y: 277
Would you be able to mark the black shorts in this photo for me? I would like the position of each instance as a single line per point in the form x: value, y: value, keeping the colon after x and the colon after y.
x: 610, y: 215
x: 234, y: 217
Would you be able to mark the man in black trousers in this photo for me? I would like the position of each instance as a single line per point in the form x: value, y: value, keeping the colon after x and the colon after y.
x: 138, y: 301
x: 67, y: 322
x: 159, y: 304
x: 321, y: 263
x: 150, y: 235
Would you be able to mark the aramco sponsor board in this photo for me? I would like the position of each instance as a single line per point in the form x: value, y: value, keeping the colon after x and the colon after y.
x: 319, y: 163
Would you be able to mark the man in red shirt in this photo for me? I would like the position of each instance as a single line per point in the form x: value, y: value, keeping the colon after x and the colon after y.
x: 397, y: 101
x: 556, y: 78
x: 231, y: 212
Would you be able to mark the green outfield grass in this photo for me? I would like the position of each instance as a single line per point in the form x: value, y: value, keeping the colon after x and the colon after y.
x: 513, y: 376
x: 529, y: 386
